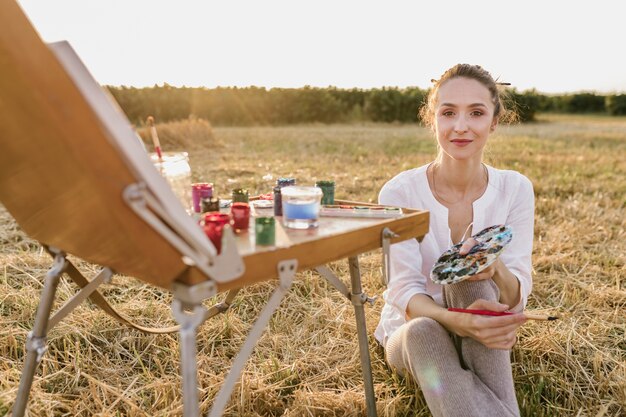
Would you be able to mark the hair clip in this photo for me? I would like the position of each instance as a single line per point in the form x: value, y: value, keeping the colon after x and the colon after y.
x: 503, y: 83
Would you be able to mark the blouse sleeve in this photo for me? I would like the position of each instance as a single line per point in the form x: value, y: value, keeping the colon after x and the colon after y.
x: 517, y: 256
x: 406, y: 278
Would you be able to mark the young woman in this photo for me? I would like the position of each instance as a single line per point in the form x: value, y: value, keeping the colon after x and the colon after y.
x: 460, y: 361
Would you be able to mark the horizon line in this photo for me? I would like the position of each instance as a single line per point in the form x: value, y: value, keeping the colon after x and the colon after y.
x: 582, y: 91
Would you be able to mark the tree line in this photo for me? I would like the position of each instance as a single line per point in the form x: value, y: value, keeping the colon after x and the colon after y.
x: 232, y: 106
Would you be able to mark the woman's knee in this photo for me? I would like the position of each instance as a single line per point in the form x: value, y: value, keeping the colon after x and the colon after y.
x: 414, y: 341
x: 464, y: 293
x: 423, y: 330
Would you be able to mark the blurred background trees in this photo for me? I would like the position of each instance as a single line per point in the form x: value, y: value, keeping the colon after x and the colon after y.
x: 249, y: 106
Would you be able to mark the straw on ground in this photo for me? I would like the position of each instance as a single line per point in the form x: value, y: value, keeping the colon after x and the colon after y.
x: 307, y: 362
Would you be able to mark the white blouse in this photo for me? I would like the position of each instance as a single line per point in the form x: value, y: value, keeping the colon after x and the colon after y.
x: 508, y: 199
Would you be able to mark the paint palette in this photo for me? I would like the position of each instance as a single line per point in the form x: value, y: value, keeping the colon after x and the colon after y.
x: 377, y: 212
x: 451, y: 267
x: 263, y: 204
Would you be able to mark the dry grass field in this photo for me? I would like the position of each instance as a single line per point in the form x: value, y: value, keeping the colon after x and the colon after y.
x: 307, y: 362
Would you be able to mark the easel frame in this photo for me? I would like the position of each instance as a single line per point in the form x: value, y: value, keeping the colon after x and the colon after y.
x: 109, y: 207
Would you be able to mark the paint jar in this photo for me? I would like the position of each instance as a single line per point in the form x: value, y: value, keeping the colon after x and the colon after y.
x: 240, y: 195
x: 278, y: 204
x: 280, y: 183
x: 214, y: 223
x: 301, y: 206
x: 328, y: 191
x: 174, y: 167
x: 199, y: 191
x: 240, y: 213
x: 210, y: 204
x: 265, y: 231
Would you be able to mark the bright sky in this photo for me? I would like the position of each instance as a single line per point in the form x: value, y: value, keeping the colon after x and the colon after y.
x: 551, y: 45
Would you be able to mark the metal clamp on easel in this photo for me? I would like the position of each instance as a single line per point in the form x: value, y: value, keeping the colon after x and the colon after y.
x: 386, y: 264
x: 362, y: 298
x: 358, y: 299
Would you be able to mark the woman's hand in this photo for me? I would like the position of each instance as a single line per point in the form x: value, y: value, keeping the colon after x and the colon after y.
x: 507, y: 283
x: 493, y: 332
x: 486, y: 273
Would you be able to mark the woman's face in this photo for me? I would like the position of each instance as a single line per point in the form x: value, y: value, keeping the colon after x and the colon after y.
x: 463, y: 118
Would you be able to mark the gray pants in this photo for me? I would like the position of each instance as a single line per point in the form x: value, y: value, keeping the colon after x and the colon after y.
x: 458, y: 376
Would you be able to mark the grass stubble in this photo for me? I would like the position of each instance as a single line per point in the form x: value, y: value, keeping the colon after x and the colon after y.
x: 307, y: 362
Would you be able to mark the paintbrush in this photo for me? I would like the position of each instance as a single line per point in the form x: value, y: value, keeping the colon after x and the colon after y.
x: 528, y: 315
x: 155, y: 138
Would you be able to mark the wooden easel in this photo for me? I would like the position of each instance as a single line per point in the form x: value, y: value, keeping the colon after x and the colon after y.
x: 74, y: 177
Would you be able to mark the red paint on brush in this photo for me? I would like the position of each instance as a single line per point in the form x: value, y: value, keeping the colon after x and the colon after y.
x: 528, y: 315
x: 480, y: 312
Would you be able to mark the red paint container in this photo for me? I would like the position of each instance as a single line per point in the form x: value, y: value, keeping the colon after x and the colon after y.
x: 241, y: 216
x: 199, y: 191
x: 214, y: 223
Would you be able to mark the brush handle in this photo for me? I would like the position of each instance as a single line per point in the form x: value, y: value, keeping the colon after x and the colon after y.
x: 155, y: 137
x: 529, y: 316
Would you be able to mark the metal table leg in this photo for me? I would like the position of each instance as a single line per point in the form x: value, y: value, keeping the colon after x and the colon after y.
x: 286, y: 274
x: 358, y: 298
x: 189, y: 322
x: 36, y: 341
